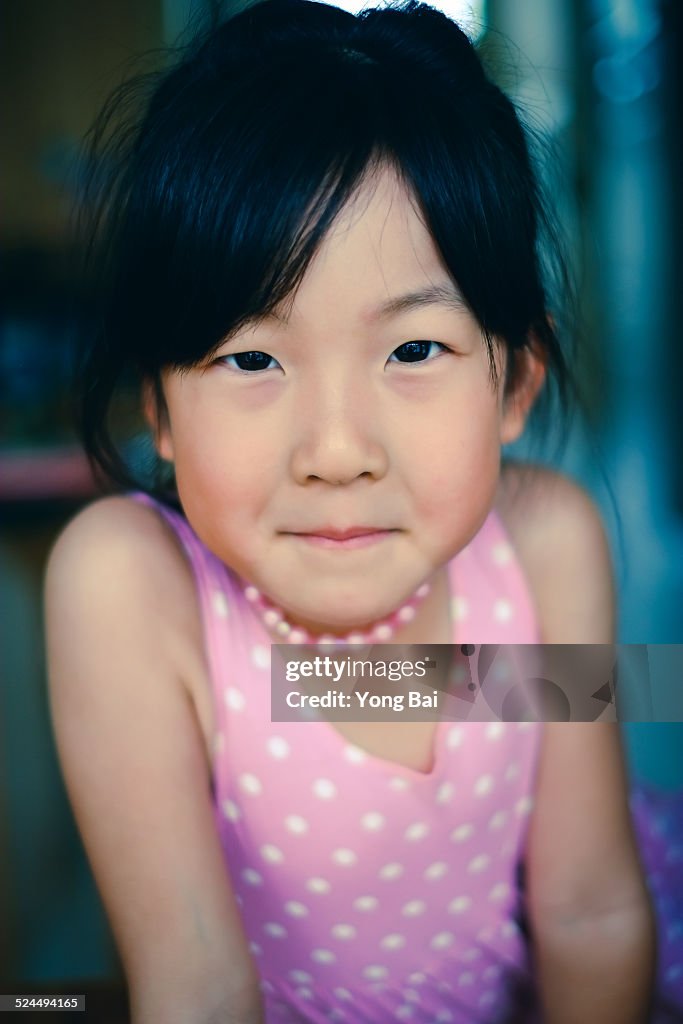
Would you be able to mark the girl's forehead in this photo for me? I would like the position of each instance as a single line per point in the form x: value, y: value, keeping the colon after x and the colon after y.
x: 377, y: 250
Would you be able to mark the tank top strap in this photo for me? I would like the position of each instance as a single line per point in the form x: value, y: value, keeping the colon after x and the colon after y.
x: 490, y: 594
x: 212, y: 581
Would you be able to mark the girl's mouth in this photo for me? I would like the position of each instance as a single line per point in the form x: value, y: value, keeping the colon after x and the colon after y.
x: 338, y: 540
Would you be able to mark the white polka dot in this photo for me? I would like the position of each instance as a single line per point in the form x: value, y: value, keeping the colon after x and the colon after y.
x: 502, y: 610
x: 442, y: 940
x: 296, y: 824
x: 304, y: 993
x: 454, y: 737
x: 391, y: 871
x: 459, y: 608
x: 324, y: 789
x: 373, y: 821
x: 471, y: 954
x: 404, y: 1012
x: 524, y: 805
x: 418, y: 830
x: 343, y: 931
x: 499, y: 892
x: 252, y: 877
x: 255, y: 948
x: 323, y: 956
x: 393, y: 941
x: 366, y: 903
x: 354, y: 754
x: 501, y: 553
x: 495, y: 730
x: 260, y: 656
x: 445, y: 792
x: 466, y: 979
x: 234, y: 699
x: 414, y: 908
x: 273, y: 854
x: 436, y: 870
x: 443, y: 1017
x: 220, y: 604
x: 462, y: 832
x: 277, y: 747
x: 491, y: 973
x: 417, y: 978
x: 479, y: 863
x: 512, y: 771
x: 275, y: 930
x: 296, y: 909
x: 498, y: 819
x: 301, y: 977
x: 318, y: 885
x: 458, y: 675
x: 483, y: 785
x: 398, y: 783
x: 343, y: 993
x: 459, y: 905
x: 250, y: 783
x: 231, y: 810
x: 344, y: 857
x: 374, y: 972
x: 336, y: 1014
x: 411, y: 996
x: 487, y: 998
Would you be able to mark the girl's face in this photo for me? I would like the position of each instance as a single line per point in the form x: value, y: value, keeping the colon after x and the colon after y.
x: 367, y: 404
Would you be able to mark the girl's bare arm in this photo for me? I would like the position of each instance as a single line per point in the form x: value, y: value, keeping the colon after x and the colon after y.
x: 136, y: 770
x: 593, y: 927
x: 591, y: 916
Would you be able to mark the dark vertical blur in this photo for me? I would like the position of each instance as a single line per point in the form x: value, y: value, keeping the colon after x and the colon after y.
x: 672, y: 12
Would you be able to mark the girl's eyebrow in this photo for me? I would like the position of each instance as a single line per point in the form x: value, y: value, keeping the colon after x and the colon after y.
x: 446, y: 294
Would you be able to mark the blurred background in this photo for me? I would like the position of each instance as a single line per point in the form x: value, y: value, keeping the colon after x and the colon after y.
x: 601, y: 77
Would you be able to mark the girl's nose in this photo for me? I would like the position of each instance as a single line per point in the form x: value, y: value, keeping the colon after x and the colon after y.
x: 337, y: 439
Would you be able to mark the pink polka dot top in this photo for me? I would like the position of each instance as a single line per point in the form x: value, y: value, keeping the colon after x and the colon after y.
x: 369, y: 891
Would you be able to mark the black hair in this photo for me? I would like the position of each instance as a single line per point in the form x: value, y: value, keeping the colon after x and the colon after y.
x: 205, y: 209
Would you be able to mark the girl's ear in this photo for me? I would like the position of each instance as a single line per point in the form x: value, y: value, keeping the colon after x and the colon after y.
x: 528, y: 375
x: 156, y: 415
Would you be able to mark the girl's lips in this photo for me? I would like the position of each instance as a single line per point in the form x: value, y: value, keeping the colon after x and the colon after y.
x: 346, y: 540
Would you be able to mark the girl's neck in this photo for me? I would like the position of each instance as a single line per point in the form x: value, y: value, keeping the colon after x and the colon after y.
x: 430, y: 622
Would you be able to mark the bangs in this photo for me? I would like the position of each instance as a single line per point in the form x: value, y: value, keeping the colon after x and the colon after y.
x: 222, y: 222
x: 224, y: 214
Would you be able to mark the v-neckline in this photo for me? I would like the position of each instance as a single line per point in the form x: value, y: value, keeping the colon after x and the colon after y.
x: 396, y: 769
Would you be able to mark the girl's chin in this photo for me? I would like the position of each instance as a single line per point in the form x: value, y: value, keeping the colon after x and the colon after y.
x: 335, y: 625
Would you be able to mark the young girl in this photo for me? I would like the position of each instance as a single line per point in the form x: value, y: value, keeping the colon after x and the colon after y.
x: 323, y: 240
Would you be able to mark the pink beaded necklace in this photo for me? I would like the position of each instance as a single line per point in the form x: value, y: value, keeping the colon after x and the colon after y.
x: 382, y: 631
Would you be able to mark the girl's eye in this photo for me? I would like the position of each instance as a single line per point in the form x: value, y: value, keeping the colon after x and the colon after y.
x: 417, y: 351
x: 251, y: 361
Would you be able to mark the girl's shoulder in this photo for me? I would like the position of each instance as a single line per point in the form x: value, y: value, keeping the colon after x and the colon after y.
x: 116, y: 530
x: 116, y: 545
x: 558, y: 535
